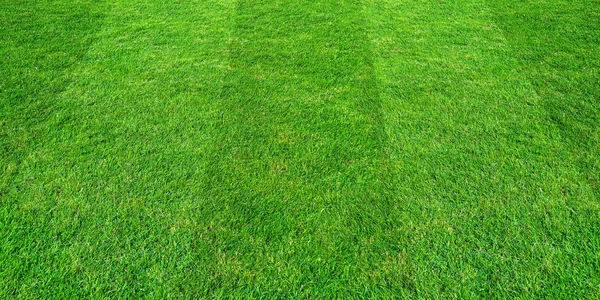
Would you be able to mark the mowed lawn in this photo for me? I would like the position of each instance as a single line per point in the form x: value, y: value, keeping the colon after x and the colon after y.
x: 300, y: 149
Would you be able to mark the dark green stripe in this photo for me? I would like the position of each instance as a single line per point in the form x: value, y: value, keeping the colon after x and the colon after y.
x: 299, y: 155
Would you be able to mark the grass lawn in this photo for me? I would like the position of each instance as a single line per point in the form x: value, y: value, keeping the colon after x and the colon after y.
x: 300, y: 149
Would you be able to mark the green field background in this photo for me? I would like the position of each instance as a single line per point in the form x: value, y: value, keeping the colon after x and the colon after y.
x: 300, y: 149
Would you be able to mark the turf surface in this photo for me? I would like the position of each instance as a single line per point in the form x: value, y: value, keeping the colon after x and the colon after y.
x: 325, y: 149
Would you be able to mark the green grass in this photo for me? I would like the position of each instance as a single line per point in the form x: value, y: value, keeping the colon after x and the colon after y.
x: 294, y: 149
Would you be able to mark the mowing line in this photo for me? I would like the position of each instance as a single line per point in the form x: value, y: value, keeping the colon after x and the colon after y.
x: 488, y: 183
x: 106, y: 189
x: 562, y: 64
x: 35, y: 69
x: 299, y: 159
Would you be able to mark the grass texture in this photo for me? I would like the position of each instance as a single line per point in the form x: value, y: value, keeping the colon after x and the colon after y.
x: 294, y: 149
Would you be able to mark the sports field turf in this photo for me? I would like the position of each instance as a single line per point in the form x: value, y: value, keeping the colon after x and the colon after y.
x: 300, y: 149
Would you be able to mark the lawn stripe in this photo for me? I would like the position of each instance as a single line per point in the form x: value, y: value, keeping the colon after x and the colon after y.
x: 487, y: 180
x: 103, y: 196
x: 557, y: 44
x: 298, y: 160
x: 40, y: 44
